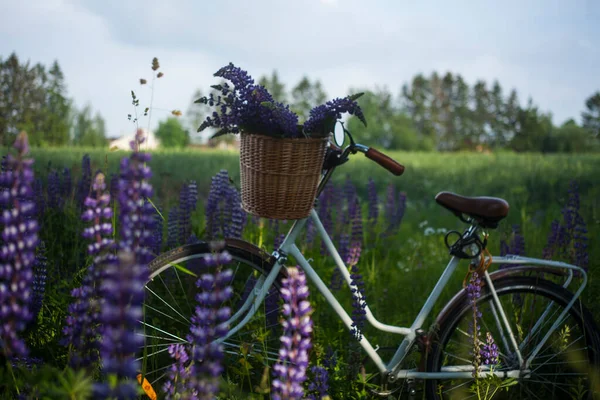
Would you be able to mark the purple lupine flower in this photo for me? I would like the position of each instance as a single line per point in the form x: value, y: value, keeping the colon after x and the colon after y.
x: 66, y: 184
x: 136, y: 212
x: 324, y: 210
x: 330, y: 359
x: 351, y: 198
x: 172, y: 228
x: 279, y: 240
x: 311, y: 232
x: 40, y: 270
x: 192, y: 195
x: 516, y: 246
x: 569, y: 238
x: 185, y: 210
x: 344, y: 250
x: 580, y: 244
x: 290, y: 369
x: 224, y: 214
x: 209, y: 323
x: 356, y: 235
x: 40, y: 197
x: 180, y: 375
x: 359, y: 302
x: 122, y: 287
x: 242, y: 106
x: 158, y: 233
x: 54, y: 190
x: 85, y: 182
x: 473, y: 290
x: 122, y: 296
x: 395, y: 207
x: 81, y: 329
x: 272, y: 308
x: 556, y: 239
x: 17, y: 253
x: 319, y: 386
x: 489, y: 351
x: 373, y: 214
x: 321, y: 116
x: 114, y: 186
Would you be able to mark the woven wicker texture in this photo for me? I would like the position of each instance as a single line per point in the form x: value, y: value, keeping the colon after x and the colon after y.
x: 280, y: 175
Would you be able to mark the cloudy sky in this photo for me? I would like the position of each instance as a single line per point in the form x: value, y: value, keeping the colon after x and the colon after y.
x: 546, y: 49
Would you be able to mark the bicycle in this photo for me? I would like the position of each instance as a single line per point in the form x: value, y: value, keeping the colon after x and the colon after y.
x: 547, y: 339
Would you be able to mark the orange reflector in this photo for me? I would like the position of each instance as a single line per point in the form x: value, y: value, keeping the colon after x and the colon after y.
x: 147, y: 387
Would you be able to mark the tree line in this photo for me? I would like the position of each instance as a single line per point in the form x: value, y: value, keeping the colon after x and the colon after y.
x: 432, y: 112
x: 444, y: 113
x: 34, y: 98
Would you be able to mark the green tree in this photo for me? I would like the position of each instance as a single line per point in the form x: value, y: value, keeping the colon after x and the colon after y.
x: 89, y: 131
x: 570, y: 138
x: 171, y: 133
x: 533, y: 129
x: 34, y: 100
x: 305, y: 96
x: 389, y: 127
x: 274, y: 86
x: 57, y: 110
x: 591, y: 117
x: 415, y: 100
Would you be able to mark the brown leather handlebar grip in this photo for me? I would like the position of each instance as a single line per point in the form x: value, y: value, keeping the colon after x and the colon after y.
x: 386, y: 162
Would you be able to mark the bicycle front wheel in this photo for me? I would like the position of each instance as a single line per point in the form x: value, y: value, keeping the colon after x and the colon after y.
x: 565, y: 367
x: 170, y: 303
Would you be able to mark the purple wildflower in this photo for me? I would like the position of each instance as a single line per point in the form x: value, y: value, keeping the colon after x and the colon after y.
x: 330, y: 359
x: 114, y: 186
x: 54, y: 191
x: 180, y: 375
x: 324, y: 210
x: 242, y: 106
x: 40, y: 197
x: 569, y: 238
x: 290, y: 370
x: 373, y: 214
x: 358, y: 302
x: 224, y: 214
x: 81, y: 330
x: 122, y: 288
x: 66, y: 187
x: 209, y: 323
x: 489, y: 351
x: 473, y: 290
x: 186, y: 207
x: 516, y: 246
x: 323, y: 117
x: 137, y: 213
x: 85, y: 182
x: 395, y: 207
x: 122, y: 291
x: 17, y: 253
x: 158, y: 234
x: 320, y: 384
x: 172, y: 227
x: 40, y: 270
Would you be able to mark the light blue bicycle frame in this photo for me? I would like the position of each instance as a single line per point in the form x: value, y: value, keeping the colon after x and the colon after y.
x: 392, y: 368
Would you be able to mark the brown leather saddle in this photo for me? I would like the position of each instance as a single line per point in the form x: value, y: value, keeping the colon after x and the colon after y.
x: 487, y: 211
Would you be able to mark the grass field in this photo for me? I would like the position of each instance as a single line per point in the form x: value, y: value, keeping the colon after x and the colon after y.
x: 402, y: 268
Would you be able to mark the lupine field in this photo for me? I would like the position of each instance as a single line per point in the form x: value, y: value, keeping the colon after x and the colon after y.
x: 78, y: 235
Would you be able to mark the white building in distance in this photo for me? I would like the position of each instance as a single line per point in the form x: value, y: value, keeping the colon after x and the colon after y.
x: 122, y: 143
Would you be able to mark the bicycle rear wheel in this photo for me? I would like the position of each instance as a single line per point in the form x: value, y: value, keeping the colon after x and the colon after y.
x: 566, y: 366
x: 170, y: 303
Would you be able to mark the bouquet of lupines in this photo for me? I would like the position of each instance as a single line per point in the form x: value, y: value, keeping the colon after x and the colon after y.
x: 244, y: 106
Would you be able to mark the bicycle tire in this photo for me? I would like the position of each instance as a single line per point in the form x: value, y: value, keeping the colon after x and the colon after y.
x: 513, y: 290
x: 258, y: 340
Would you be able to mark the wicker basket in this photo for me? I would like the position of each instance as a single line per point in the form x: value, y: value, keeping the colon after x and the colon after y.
x: 280, y: 175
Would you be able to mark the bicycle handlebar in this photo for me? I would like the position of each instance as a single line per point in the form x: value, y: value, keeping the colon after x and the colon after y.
x: 385, y: 161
